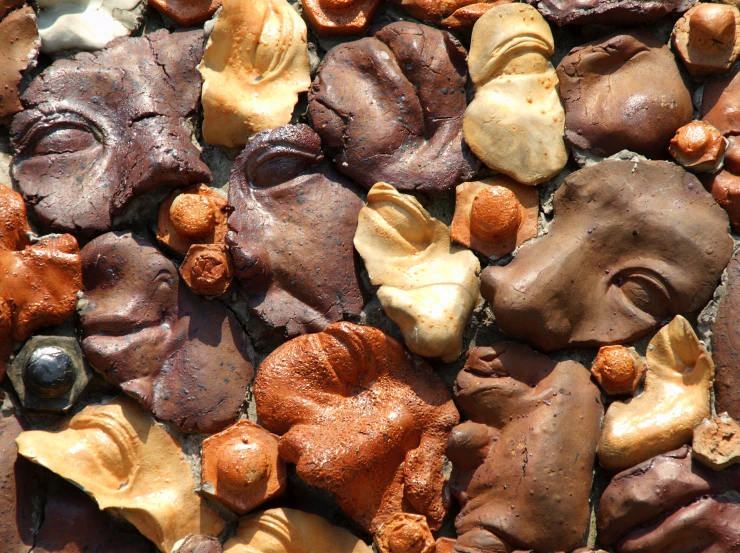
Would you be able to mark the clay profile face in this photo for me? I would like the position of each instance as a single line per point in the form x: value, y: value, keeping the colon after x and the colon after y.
x: 671, y: 503
x: 509, y: 63
x: 183, y: 357
x: 255, y: 65
x: 707, y: 38
x: 631, y: 245
x: 623, y: 92
x: 38, y: 281
x: 619, y: 12
x: 675, y: 399
x: 523, y: 462
x: 361, y: 420
x: 339, y: 17
x: 293, y: 222
x: 128, y: 464
x: 389, y: 115
x: 18, y: 32
x: 86, y: 146
x: 86, y: 24
x: 428, y: 287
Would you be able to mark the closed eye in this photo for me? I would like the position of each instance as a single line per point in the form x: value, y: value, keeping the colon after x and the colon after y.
x: 646, y: 291
x: 62, y: 134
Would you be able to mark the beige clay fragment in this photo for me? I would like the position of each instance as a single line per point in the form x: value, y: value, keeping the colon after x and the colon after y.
x: 255, y: 64
x: 716, y: 442
x: 675, y: 398
x: 428, y: 287
x: 129, y: 465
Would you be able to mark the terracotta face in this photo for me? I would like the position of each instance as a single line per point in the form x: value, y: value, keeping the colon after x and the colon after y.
x: 632, y: 244
x: 509, y: 63
x: 86, y: 146
x: 183, y: 357
x: 726, y: 344
x: 361, y: 420
x: 128, y: 464
x: 339, y: 17
x: 18, y: 30
x: 293, y: 222
x: 708, y: 38
x: 619, y: 12
x: 390, y: 116
x: 623, y: 92
x: 671, y: 503
x: 523, y: 462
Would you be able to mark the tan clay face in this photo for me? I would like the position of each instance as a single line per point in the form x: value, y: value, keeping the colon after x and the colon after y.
x: 127, y: 463
x: 631, y: 245
x: 256, y: 63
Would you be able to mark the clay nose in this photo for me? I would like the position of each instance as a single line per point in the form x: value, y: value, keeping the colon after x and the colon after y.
x: 490, y: 280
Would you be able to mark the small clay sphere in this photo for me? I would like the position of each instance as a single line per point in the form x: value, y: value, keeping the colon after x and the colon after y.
x: 207, y: 269
x: 618, y: 370
x: 711, y: 24
x: 405, y: 533
x: 192, y: 215
x: 699, y: 147
x: 495, y: 215
x: 243, y: 464
x: 49, y: 372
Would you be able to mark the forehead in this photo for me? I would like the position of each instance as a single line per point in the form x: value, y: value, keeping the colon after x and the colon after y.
x: 122, y: 261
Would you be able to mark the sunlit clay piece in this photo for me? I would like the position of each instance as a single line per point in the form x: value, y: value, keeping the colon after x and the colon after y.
x: 39, y: 281
x: 671, y: 503
x: 707, y: 38
x: 293, y: 222
x: 86, y: 24
x: 453, y: 14
x: 346, y: 402
x: 676, y: 397
x: 515, y: 123
x: 405, y: 533
x: 208, y: 269
x: 198, y: 543
x: 613, y: 12
x: 716, y: 442
x: 610, y: 270
x: 699, y: 147
x: 618, y: 370
x: 87, y: 145
x: 128, y: 464
x: 445, y: 545
x: 726, y: 345
x: 523, y: 461
x: 339, y: 17
x: 292, y: 531
x: 623, y: 92
x: 255, y: 65
x: 21, y: 39
x: 241, y: 467
x: 196, y: 215
x: 189, y: 13
x: 428, y: 287
x: 495, y: 215
x: 182, y: 356
x: 391, y: 107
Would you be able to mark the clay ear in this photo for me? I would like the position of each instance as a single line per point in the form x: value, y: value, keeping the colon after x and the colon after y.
x: 677, y: 349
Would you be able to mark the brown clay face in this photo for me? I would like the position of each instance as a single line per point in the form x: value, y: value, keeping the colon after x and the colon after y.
x: 523, y: 462
x: 391, y: 106
x: 619, y: 12
x: 293, y: 223
x: 671, y: 503
x: 86, y: 145
x: 183, y: 357
x: 188, y: 13
x: 361, y: 420
x: 623, y: 92
x: 339, y: 17
x: 631, y: 245
x: 21, y: 39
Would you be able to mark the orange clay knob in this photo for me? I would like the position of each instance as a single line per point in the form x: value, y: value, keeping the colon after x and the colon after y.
x: 711, y: 24
x: 405, y: 533
x: 495, y: 214
x: 698, y: 146
x: 242, y: 464
x: 192, y: 215
x: 618, y: 370
x: 207, y: 269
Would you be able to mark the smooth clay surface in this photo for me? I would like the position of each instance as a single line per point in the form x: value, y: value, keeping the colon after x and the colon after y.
x: 20, y: 39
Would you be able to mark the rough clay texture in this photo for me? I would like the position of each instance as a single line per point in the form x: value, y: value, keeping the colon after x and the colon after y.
x: 360, y: 419
x: 72, y: 179
x: 618, y: 370
x: 404, y: 533
x: 610, y: 12
x: 621, y: 92
x: 20, y: 40
x: 716, y: 442
x: 631, y: 244
x: 183, y: 357
x: 391, y: 107
x: 293, y: 222
x: 523, y: 462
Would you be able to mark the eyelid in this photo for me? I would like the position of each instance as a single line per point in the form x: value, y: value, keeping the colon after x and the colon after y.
x: 46, y: 125
x: 657, y: 281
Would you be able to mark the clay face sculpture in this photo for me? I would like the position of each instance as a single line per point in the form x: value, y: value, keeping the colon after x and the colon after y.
x: 614, y: 12
x: 255, y: 65
x: 618, y: 370
x: 405, y: 533
x: 86, y: 146
x: 360, y: 419
x: 428, y: 287
x: 291, y: 531
x: 523, y: 462
x: 623, y: 92
x: 183, y: 357
x: 453, y: 14
x: 675, y: 398
x: 86, y: 25
x: 339, y: 17
x: 515, y: 123
x: 293, y: 223
x: 699, y: 147
x: 707, y: 38
x: 128, y: 464
x: 21, y: 39
x: 241, y: 467
x: 391, y: 107
x: 716, y: 442
x: 631, y: 244
x: 494, y: 216
x: 39, y: 281
x: 671, y: 503
x: 188, y: 13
